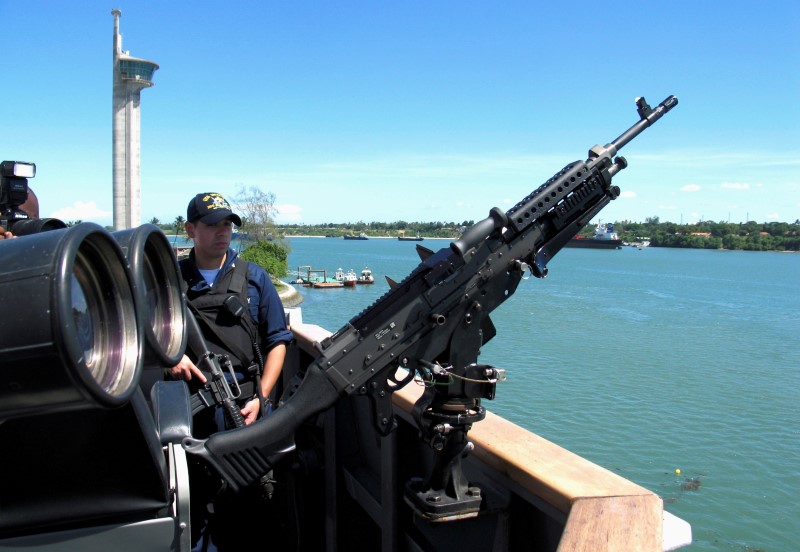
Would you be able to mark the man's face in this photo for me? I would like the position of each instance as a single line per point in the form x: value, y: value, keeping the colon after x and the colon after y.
x: 211, y: 240
x: 31, y: 205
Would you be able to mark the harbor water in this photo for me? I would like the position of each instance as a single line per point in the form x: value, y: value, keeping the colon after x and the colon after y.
x: 645, y: 362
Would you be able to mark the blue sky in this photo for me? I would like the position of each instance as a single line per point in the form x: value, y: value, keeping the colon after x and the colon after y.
x: 414, y: 110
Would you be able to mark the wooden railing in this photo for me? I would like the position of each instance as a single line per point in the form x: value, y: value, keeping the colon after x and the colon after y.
x: 603, y: 511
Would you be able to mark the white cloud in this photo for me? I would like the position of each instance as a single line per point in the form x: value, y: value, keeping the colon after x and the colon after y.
x: 288, y: 213
x: 773, y: 216
x: 627, y: 194
x: 735, y: 186
x: 80, y: 210
x: 691, y: 188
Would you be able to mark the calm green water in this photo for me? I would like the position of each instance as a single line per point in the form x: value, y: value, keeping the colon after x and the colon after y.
x: 643, y: 361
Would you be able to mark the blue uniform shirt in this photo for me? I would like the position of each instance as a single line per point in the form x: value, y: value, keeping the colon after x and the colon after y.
x: 264, y: 304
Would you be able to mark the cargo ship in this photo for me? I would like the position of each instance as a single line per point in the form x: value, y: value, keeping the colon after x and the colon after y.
x: 604, y: 238
x: 410, y: 238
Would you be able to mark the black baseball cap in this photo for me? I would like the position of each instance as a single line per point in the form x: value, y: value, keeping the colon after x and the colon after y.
x: 210, y: 208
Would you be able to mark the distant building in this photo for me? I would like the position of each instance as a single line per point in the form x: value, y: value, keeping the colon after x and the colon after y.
x: 131, y: 75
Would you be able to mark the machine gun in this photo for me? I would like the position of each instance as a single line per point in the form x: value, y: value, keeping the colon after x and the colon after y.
x: 432, y: 324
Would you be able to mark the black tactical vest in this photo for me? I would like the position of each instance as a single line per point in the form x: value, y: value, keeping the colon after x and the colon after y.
x: 231, y: 335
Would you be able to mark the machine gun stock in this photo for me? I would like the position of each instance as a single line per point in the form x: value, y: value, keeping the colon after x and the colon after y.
x: 432, y: 324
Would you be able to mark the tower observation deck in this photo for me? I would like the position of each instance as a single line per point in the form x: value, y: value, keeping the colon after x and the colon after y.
x: 131, y: 75
x: 134, y: 70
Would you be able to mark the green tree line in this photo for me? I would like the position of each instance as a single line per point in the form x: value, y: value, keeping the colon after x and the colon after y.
x: 434, y: 229
x: 267, y: 249
x: 752, y: 236
x: 749, y: 236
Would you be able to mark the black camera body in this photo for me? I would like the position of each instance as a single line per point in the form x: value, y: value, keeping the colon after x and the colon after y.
x: 14, y: 177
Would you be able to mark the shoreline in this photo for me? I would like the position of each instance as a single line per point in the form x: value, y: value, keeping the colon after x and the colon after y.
x: 287, y: 236
x: 288, y: 294
x: 426, y: 238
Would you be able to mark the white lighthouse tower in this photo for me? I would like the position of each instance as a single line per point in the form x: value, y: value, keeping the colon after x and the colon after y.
x: 131, y: 75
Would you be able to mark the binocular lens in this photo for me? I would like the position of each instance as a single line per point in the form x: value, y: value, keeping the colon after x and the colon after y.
x: 99, y: 305
x: 158, y: 293
x: 83, y: 321
x: 162, y: 294
x: 75, y: 340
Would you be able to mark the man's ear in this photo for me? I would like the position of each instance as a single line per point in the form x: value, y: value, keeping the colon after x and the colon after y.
x: 189, y: 227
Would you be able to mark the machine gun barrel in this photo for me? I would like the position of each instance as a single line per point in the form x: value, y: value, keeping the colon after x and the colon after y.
x: 564, y: 184
x: 648, y: 117
x: 438, y: 314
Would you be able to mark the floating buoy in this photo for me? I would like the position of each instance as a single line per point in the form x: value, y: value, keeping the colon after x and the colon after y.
x: 678, y: 471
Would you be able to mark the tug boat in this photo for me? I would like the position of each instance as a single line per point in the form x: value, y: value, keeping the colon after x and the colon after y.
x: 348, y: 279
x: 366, y: 277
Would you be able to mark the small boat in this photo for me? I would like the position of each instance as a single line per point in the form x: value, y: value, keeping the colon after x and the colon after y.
x: 348, y: 279
x: 366, y: 277
x: 361, y: 236
x: 604, y: 238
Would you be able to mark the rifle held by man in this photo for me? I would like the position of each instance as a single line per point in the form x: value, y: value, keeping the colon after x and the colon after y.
x: 217, y: 390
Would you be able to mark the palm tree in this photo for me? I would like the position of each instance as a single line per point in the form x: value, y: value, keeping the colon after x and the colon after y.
x: 179, y: 222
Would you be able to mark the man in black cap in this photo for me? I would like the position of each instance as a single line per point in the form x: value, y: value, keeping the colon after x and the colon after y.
x: 214, y: 274
x: 241, y: 316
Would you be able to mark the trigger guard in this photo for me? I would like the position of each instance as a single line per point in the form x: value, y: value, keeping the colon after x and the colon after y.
x: 403, y: 381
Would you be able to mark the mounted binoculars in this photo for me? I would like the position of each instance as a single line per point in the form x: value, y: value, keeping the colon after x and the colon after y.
x: 86, y: 310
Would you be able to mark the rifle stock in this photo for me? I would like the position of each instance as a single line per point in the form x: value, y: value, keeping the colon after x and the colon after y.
x: 437, y: 316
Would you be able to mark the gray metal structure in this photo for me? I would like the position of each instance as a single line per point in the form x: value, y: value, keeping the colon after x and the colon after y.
x: 131, y: 75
